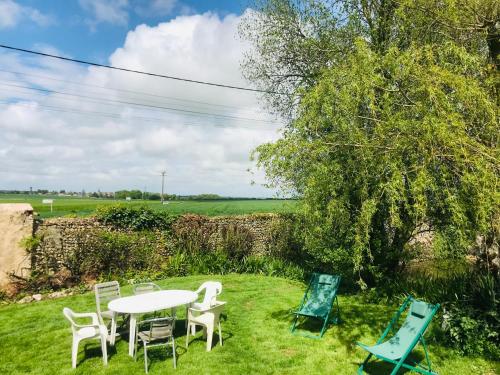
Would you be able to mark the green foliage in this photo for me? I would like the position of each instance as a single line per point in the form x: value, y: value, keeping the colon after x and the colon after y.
x: 397, y: 131
x: 114, y: 253
x: 30, y: 243
x: 192, y: 233
x: 471, y: 331
x: 122, y: 216
x: 218, y: 263
x: 236, y: 241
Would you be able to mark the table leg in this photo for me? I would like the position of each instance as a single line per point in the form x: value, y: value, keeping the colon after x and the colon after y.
x: 131, y: 335
x: 113, y: 329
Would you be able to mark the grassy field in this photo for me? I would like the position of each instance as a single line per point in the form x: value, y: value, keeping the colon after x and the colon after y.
x: 35, y: 338
x: 84, y: 206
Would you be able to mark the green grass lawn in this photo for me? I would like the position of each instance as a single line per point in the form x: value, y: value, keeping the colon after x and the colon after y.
x: 35, y: 338
x: 84, y: 206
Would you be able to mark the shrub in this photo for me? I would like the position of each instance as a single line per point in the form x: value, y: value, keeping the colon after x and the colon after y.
x: 127, y: 217
x: 192, y: 233
x: 471, y: 331
x: 235, y: 241
x: 113, y: 253
x: 286, y: 237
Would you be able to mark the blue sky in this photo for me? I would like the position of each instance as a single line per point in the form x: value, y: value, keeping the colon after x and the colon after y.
x: 73, y: 127
x: 72, y: 26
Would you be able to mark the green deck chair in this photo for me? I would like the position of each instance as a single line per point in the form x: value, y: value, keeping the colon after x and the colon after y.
x: 398, y: 347
x: 318, y: 301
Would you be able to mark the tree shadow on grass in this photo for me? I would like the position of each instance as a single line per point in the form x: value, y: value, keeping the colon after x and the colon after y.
x: 160, y: 355
x: 93, y: 350
x: 181, y: 330
x: 357, y: 322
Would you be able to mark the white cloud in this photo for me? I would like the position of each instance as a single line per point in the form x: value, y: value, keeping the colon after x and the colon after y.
x: 68, y: 150
x: 107, y: 11
x: 11, y: 14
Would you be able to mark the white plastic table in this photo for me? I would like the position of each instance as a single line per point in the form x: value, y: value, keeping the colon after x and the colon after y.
x: 147, y: 303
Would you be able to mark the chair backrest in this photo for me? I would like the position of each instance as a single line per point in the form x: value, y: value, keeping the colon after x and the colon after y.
x: 419, y: 316
x: 144, y: 288
x: 106, y: 292
x: 212, y: 290
x: 323, y: 288
x: 160, y: 328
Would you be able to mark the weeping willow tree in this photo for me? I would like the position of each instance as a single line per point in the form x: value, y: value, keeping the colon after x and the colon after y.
x: 392, y: 111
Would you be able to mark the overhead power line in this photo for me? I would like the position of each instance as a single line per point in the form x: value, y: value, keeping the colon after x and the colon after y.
x: 211, y: 104
x: 154, y: 120
x: 139, y: 71
x: 151, y: 106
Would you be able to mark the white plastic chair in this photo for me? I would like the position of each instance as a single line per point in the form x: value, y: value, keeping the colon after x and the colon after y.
x: 104, y: 293
x: 86, y: 331
x: 208, y: 319
x: 158, y: 330
x: 212, y: 290
x: 144, y: 288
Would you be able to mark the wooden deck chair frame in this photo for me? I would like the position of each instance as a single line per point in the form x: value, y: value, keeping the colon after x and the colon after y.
x: 330, y: 302
x: 419, y: 337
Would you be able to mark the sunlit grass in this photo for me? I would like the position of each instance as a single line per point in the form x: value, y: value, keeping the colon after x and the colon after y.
x: 35, y: 338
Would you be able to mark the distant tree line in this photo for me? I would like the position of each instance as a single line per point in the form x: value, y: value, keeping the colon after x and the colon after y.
x: 134, y: 194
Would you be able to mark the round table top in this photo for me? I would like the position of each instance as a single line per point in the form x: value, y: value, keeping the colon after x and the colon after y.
x: 154, y: 301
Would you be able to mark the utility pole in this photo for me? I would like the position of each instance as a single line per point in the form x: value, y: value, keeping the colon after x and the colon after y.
x: 163, y: 173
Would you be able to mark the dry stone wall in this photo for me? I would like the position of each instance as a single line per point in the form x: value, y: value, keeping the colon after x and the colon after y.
x: 59, y: 237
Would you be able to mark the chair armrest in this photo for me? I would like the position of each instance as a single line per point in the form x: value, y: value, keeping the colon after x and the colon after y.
x: 93, y: 316
x: 196, y: 310
x: 218, y: 304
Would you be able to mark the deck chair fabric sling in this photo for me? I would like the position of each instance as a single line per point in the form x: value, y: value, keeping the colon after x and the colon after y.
x: 396, y: 349
x: 318, y: 301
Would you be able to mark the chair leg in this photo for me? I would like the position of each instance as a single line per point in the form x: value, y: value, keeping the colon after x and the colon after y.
x: 74, y: 352
x: 210, y: 335
x: 187, y: 335
x: 220, y: 335
x: 104, y: 350
x: 173, y: 352
x: 173, y: 313
x: 294, y: 323
x: 135, y: 349
x: 323, y: 329
x: 145, y: 358
x: 398, y: 366
x: 426, y: 354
